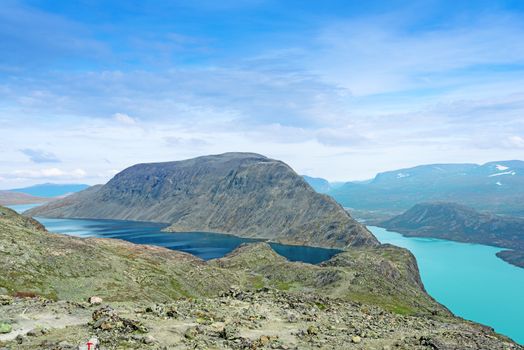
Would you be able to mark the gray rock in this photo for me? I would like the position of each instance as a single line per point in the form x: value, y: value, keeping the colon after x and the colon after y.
x: 36, y: 332
x: 20, y: 339
x: 148, y: 339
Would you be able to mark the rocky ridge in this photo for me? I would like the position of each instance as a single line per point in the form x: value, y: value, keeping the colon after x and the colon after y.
x: 244, y: 194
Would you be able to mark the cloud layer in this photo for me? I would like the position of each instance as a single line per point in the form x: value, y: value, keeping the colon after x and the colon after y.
x: 340, y: 91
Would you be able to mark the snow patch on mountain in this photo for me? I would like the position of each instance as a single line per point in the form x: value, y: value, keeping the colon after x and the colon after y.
x: 504, y: 173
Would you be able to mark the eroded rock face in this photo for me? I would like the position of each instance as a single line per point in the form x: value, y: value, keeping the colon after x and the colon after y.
x: 244, y: 194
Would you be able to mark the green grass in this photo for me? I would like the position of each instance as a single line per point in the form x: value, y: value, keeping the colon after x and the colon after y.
x: 390, y: 304
x: 282, y: 285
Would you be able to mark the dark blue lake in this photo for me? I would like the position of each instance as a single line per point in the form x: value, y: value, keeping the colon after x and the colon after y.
x: 205, y: 245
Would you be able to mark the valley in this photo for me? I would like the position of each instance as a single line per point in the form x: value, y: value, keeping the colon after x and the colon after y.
x: 380, y: 284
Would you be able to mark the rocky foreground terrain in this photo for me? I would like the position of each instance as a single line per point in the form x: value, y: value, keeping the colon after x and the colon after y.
x: 143, y: 297
x: 262, y: 319
x: 244, y: 194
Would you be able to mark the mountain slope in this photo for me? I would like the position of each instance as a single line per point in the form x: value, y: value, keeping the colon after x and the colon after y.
x: 373, y: 292
x: 50, y: 190
x: 460, y: 223
x: 496, y: 186
x: 244, y: 194
x: 61, y: 266
x: 14, y: 198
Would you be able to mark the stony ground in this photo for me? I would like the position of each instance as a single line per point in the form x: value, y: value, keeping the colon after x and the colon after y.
x: 266, y: 319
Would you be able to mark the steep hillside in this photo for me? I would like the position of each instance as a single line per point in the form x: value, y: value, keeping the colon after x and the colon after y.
x: 496, y: 186
x: 370, y: 297
x: 244, y: 194
x: 460, y: 223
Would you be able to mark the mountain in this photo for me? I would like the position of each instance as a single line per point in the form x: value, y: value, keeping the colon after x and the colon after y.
x: 15, y: 198
x: 244, y: 194
x: 49, y: 190
x: 319, y: 184
x: 497, y: 187
x: 153, y: 298
x: 460, y: 223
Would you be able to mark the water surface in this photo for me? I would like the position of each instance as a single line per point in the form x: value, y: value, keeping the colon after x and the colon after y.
x: 205, y: 245
x: 469, y: 279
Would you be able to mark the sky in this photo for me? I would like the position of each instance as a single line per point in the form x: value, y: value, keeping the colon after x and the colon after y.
x: 336, y: 89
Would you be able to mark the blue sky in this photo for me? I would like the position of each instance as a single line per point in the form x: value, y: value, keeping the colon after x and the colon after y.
x: 338, y: 89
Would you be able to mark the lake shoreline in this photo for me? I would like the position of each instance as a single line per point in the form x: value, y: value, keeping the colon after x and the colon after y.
x: 468, y: 278
x: 506, y: 257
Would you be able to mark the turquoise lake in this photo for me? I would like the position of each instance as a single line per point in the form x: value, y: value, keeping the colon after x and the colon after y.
x: 469, y: 280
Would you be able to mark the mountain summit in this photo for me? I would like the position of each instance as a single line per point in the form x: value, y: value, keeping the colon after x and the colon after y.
x: 245, y: 194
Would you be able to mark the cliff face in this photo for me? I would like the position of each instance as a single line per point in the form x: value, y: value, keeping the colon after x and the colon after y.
x: 244, y: 194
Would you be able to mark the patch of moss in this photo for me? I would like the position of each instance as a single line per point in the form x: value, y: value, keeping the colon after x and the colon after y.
x: 283, y: 285
x: 320, y: 306
x: 256, y: 282
x: 178, y: 290
x: 389, y: 304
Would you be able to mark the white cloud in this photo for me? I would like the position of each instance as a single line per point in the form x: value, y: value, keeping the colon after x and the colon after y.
x: 47, y: 173
x: 79, y: 173
x: 124, y: 119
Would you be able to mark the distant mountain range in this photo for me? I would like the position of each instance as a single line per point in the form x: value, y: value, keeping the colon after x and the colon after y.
x: 15, y: 198
x: 322, y: 185
x: 319, y: 184
x: 456, y: 222
x: 497, y: 187
x: 49, y: 190
x: 244, y: 194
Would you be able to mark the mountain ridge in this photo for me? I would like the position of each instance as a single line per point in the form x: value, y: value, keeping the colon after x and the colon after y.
x: 457, y: 222
x: 245, y: 194
x: 15, y: 198
x: 496, y: 186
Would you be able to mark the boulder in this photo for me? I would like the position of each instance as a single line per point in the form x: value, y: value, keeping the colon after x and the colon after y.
x: 94, y: 300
